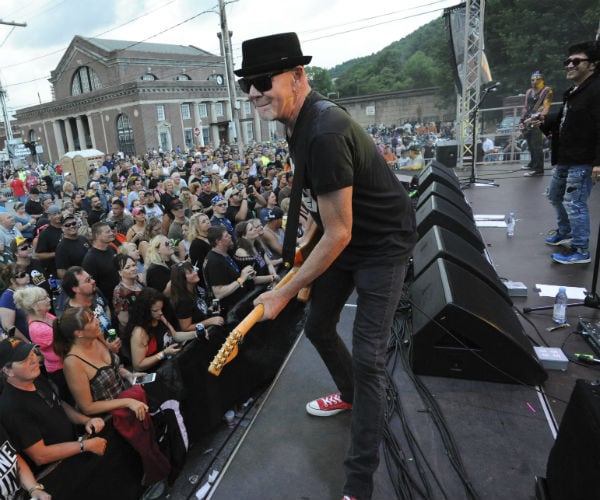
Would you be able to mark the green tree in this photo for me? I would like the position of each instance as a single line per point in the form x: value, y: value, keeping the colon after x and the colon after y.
x: 320, y: 79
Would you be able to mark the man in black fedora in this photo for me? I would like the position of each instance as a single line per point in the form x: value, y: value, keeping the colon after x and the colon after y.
x: 368, y: 230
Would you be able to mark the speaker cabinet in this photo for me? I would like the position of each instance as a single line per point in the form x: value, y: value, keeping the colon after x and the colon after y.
x: 436, y: 172
x: 463, y: 329
x: 436, y: 211
x: 441, y: 243
x: 447, y: 153
x: 574, y: 460
x: 448, y: 194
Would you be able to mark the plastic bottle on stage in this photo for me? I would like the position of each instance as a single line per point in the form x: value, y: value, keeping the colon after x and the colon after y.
x: 511, y: 222
x: 559, y: 312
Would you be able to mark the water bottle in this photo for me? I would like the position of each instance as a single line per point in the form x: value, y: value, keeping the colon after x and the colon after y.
x: 510, y: 225
x: 53, y: 284
x: 559, y: 312
x: 112, y: 335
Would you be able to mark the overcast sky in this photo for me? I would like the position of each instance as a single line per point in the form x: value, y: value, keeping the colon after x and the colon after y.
x: 332, y: 31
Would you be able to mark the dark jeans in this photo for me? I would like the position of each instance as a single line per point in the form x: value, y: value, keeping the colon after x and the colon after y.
x: 535, y: 144
x: 361, y: 377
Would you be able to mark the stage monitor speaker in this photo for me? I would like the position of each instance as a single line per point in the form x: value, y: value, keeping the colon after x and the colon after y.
x: 443, y: 191
x: 447, y: 153
x: 574, y: 460
x: 439, y: 242
x: 463, y: 329
x: 436, y: 211
x: 436, y: 172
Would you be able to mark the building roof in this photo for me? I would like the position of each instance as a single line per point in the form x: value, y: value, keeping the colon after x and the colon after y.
x: 156, y: 48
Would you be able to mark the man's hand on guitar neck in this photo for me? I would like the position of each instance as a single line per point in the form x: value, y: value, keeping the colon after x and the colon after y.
x: 273, y: 302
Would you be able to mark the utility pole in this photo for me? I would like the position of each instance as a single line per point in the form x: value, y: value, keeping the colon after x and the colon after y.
x: 7, y: 126
x: 233, y: 106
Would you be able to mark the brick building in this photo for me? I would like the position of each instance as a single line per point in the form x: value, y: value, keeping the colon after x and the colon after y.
x: 115, y: 95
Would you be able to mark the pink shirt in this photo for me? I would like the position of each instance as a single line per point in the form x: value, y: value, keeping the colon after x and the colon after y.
x: 42, y: 335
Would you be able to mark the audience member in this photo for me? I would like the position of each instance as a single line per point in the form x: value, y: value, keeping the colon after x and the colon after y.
x: 99, y: 260
x: 126, y: 292
x: 72, y: 248
x: 14, y: 321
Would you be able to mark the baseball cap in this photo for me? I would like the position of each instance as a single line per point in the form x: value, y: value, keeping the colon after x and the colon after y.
x: 275, y: 213
x: 66, y: 217
x: 176, y: 204
x: 12, y: 350
x: 17, y: 242
x: 53, y: 210
x: 204, y: 180
x: 217, y: 199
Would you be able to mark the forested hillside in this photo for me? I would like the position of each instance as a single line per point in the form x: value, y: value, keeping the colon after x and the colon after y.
x: 520, y: 36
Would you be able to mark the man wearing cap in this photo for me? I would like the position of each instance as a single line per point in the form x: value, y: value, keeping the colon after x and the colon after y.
x: 41, y: 426
x: 369, y: 231
x: 272, y: 235
x: 33, y: 206
x: 179, y: 219
x: 207, y: 194
x: 8, y: 232
x: 219, y: 218
x: 237, y: 205
x: 72, y: 247
x: 150, y: 206
x: 538, y: 99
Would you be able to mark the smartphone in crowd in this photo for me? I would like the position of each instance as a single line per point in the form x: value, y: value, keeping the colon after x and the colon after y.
x: 144, y: 379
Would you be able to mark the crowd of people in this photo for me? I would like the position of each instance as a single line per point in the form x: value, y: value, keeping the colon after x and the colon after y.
x: 108, y: 279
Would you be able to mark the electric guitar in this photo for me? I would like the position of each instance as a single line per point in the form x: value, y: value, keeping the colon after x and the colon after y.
x: 229, y: 349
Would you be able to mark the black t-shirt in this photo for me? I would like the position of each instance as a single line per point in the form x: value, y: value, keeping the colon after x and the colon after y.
x: 102, y: 267
x: 71, y: 252
x: 37, y: 275
x: 205, y: 199
x: 31, y: 416
x: 337, y: 153
x: 220, y: 270
x: 34, y: 207
x: 48, y: 241
x: 198, y: 251
x: 192, y: 306
x: 9, y: 473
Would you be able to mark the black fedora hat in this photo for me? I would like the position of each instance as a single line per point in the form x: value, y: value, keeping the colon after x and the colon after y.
x: 271, y: 53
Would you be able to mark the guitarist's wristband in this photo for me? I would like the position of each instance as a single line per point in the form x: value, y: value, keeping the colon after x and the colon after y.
x: 240, y: 282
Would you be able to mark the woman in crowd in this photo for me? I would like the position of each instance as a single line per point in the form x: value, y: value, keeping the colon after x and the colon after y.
x: 199, y: 248
x: 34, y: 301
x: 126, y: 292
x: 93, y: 372
x: 150, y: 336
x: 68, y: 191
x: 23, y: 221
x: 187, y: 198
x: 136, y: 232
x: 271, y: 198
x: 251, y: 252
x: 131, y: 250
x: 189, y: 301
x: 153, y: 228
x: 14, y: 320
x: 166, y: 200
x: 157, y: 263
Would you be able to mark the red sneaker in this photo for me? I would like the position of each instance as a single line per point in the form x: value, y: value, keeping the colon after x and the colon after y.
x: 327, y: 406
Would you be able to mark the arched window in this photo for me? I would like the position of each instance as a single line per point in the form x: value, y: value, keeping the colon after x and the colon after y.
x: 85, y: 80
x: 148, y: 77
x: 125, y: 135
x: 183, y: 77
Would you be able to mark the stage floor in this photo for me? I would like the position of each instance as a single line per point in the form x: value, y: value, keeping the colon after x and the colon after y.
x: 502, y: 432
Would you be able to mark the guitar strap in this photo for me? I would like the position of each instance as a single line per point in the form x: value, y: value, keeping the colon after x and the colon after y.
x: 291, y: 229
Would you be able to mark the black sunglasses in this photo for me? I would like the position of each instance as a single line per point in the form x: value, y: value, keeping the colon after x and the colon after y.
x: 21, y: 275
x: 25, y: 247
x: 262, y: 83
x: 574, y: 61
x: 70, y: 224
x: 197, y: 210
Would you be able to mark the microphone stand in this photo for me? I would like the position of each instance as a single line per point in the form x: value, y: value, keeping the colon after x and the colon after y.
x: 473, y: 179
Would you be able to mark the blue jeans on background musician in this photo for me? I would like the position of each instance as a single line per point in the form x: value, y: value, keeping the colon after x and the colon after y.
x: 360, y: 377
x: 568, y: 193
